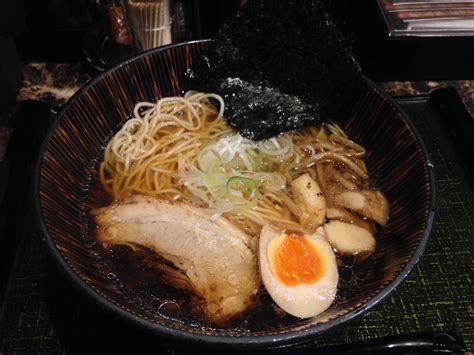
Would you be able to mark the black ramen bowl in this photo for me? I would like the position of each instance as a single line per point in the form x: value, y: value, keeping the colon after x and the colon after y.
x: 73, y: 149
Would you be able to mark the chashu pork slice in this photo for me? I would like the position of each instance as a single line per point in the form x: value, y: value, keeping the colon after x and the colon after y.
x: 214, y: 256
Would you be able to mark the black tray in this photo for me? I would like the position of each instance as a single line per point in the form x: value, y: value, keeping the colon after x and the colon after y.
x: 43, y: 313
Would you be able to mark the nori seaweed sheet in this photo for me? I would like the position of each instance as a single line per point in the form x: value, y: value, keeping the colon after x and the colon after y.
x: 280, y: 65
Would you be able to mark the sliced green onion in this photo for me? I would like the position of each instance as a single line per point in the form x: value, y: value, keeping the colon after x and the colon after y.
x: 241, y: 189
x: 277, y: 148
x: 207, y: 160
x: 259, y: 161
x: 270, y: 182
x: 214, y: 179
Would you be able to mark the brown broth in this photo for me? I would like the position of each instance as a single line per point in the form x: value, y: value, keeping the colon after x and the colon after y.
x: 138, y: 277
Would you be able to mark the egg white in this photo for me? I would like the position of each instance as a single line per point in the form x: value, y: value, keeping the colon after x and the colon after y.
x: 305, y: 300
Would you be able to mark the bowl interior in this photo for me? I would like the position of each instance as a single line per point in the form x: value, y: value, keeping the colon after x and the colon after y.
x: 396, y: 159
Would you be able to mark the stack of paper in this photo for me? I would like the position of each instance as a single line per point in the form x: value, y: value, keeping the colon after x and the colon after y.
x: 429, y: 17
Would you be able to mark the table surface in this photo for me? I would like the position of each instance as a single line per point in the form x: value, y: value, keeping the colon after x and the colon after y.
x: 437, y: 296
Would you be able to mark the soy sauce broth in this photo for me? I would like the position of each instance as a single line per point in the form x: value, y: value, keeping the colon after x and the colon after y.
x: 136, y: 275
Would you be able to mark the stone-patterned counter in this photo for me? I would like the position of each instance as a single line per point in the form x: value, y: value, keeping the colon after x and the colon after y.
x: 465, y: 88
x: 52, y: 83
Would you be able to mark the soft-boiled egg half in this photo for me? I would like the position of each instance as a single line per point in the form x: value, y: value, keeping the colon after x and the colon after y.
x: 299, y: 271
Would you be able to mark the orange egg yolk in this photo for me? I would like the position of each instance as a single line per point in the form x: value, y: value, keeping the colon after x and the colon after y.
x: 297, y: 260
